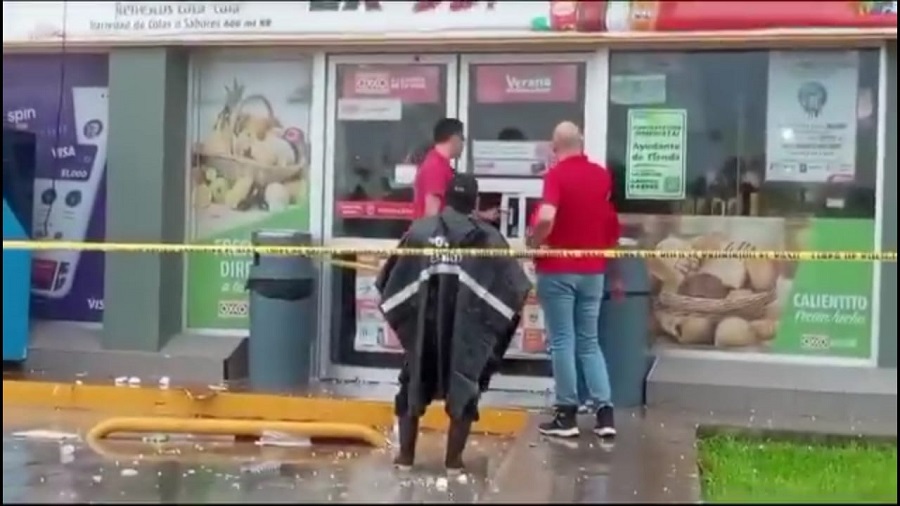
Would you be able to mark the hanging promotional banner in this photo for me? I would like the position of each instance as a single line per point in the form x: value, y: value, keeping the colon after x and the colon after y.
x: 761, y: 306
x: 63, y: 100
x: 657, y: 146
x: 811, y: 116
x: 250, y: 171
x: 111, y: 22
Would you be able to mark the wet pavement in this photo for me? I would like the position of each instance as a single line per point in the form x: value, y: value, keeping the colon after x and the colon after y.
x: 652, y: 460
x: 197, y: 470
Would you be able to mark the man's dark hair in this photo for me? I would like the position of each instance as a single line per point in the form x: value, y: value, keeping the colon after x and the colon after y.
x: 447, y: 128
x: 462, y: 193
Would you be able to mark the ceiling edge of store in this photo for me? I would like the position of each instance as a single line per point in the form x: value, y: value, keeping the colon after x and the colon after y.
x: 473, y: 42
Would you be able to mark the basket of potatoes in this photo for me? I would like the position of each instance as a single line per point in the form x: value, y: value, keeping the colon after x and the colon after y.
x: 722, y: 302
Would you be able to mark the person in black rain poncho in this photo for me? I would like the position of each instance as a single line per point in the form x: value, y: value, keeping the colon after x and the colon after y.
x: 454, y: 316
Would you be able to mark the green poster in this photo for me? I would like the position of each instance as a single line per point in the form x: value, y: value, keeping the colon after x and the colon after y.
x: 657, y: 147
x: 804, y: 307
x: 249, y: 172
x: 829, y: 307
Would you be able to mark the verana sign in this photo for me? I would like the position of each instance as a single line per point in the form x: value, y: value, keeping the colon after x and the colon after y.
x: 111, y: 22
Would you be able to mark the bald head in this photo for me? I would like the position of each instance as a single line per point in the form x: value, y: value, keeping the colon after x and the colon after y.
x: 567, y: 139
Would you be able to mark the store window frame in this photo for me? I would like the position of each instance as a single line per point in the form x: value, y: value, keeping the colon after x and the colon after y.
x: 881, y: 139
x: 331, y: 369
x: 596, y: 86
x: 315, y: 140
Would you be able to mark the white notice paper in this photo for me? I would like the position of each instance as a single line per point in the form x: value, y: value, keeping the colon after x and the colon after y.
x: 811, y: 116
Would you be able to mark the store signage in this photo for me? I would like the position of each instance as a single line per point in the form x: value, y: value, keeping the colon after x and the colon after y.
x: 200, y: 21
x: 526, y: 83
x: 409, y: 83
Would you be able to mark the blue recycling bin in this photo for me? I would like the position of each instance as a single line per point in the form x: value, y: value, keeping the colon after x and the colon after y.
x: 282, y: 314
x: 625, y: 329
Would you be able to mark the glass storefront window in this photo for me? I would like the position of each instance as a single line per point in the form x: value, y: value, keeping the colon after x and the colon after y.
x: 384, y: 116
x: 766, y: 150
x: 249, y: 170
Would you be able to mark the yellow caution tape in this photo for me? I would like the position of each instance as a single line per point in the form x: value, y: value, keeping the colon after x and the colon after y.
x: 319, y: 251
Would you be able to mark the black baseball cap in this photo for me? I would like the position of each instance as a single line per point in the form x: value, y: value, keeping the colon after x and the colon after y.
x: 462, y: 193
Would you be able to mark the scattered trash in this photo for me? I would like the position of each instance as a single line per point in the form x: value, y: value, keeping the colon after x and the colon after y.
x: 66, y: 454
x: 134, y: 381
x: 441, y: 483
x: 164, y: 382
x: 262, y: 467
x: 97, y: 478
x: 155, y: 438
x: 48, y: 435
x: 128, y: 472
x: 462, y: 479
x: 121, y: 381
x: 282, y: 440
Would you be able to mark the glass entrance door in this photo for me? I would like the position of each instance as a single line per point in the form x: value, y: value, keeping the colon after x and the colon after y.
x: 510, y: 105
x: 381, y: 113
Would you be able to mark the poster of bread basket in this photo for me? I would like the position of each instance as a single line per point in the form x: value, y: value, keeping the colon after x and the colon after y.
x: 790, y: 307
x: 249, y: 170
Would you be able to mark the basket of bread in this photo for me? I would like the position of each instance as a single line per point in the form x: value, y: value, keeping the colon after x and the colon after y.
x: 722, y: 302
x: 249, y: 160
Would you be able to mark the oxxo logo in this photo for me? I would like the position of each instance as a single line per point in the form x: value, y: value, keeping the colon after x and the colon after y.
x: 370, y: 83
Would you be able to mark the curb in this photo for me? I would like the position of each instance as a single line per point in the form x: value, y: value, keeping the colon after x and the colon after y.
x: 179, y: 402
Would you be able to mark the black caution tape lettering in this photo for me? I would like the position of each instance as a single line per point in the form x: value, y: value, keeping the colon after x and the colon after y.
x: 325, y: 251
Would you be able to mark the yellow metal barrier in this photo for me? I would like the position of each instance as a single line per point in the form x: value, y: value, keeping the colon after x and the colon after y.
x: 224, y: 427
x: 320, y: 251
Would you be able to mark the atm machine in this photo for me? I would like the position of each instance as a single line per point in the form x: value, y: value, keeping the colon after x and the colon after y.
x: 18, y: 190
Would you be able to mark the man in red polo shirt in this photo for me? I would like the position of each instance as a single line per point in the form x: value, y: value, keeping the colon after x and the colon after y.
x: 575, y: 213
x: 435, y: 172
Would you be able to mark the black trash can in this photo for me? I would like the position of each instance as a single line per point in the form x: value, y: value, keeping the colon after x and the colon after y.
x: 282, y: 314
x: 625, y: 328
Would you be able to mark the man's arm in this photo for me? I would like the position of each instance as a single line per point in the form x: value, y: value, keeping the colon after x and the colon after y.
x: 432, y: 204
x: 546, y: 214
x: 434, y: 184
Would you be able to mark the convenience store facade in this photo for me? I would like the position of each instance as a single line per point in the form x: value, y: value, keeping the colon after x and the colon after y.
x: 226, y: 117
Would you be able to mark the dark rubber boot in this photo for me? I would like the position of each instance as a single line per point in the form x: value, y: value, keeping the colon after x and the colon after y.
x: 457, y: 437
x: 408, y: 428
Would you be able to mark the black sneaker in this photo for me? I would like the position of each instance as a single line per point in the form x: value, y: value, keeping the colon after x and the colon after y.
x: 606, y: 424
x: 564, y: 423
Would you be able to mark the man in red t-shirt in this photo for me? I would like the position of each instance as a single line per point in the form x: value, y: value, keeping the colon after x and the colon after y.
x: 435, y: 172
x: 575, y: 213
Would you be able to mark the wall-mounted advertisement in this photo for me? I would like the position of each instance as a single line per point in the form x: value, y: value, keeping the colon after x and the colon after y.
x: 63, y: 100
x: 249, y: 171
x: 764, y: 306
x: 512, y: 93
x: 656, y: 162
x: 812, y: 116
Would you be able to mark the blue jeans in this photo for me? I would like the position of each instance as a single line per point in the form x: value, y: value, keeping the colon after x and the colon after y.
x: 571, y: 305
